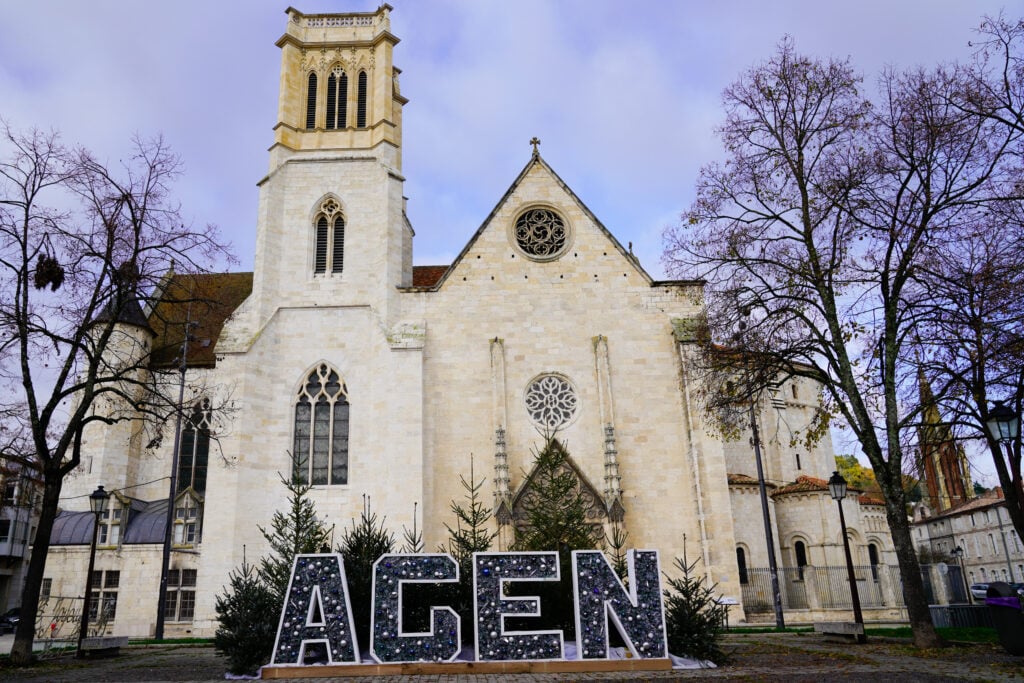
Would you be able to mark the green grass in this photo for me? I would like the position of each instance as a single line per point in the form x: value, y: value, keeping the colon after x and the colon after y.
x: 172, y: 641
x: 973, y: 634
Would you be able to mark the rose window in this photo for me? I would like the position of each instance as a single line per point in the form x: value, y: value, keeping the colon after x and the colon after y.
x: 541, y: 233
x: 551, y: 401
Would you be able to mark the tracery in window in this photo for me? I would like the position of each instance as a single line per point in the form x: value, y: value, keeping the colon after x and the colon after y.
x: 551, y: 402
x: 109, y: 532
x: 361, y: 101
x: 329, y: 250
x: 541, y: 233
x: 320, y: 450
x: 188, y: 516
x: 337, y: 99
x: 194, y: 450
x: 311, y: 101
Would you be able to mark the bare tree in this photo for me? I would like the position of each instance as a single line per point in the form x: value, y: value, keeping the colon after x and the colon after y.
x: 816, y: 224
x: 80, y: 245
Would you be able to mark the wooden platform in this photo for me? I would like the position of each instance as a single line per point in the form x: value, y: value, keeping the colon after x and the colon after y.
x: 429, y: 668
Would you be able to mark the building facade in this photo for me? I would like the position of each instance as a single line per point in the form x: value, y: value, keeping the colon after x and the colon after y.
x: 376, y: 380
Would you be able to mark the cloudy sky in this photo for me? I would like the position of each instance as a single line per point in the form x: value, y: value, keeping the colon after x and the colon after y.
x: 623, y: 95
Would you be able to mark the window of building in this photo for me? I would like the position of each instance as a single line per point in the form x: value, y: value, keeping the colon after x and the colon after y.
x: 992, y: 543
x: 10, y: 493
x: 337, y: 99
x: 187, y: 520
x: 109, y: 533
x: 311, y: 101
x: 873, y: 560
x: 361, y: 101
x: 1020, y: 571
x: 45, y: 589
x: 329, y: 256
x: 180, y: 603
x: 796, y: 391
x: 800, y: 550
x: 5, y: 530
x: 321, y: 429
x: 194, y: 450
x: 741, y: 563
x: 103, y: 587
x: 972, y: 520
x: 798, y: 461
x: 541, y: 234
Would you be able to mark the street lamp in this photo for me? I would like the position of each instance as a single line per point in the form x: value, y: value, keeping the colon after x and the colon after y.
x: 837, y: 487
x: 1003, y: 424
x: 97, y: 503
x: 958, y: 553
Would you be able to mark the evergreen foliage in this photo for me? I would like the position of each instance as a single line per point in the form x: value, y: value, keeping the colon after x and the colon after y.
x: 555, y: 518
x: 472, y: 534
x: 360, y: 547
x: 617, y: 551
x: 693, y: 620
x: 247, y: 613
x: 294, y: 532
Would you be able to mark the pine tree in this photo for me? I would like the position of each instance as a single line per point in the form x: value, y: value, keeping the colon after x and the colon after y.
x: 247, y: 614
x: 361, y: 545
x: 555, y: 518
x: 294, y: 532
x: 693, y: 619
x: 471, y: 534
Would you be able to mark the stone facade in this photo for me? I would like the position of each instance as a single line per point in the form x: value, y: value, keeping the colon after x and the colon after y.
x: 438, y: 364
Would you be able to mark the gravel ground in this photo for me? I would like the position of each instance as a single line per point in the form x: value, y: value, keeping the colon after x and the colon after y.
x: 789, y: 658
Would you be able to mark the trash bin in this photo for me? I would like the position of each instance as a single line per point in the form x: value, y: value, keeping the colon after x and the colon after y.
x: 1004, y: 604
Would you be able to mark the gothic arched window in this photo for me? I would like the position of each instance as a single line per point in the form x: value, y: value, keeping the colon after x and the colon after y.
x: 337, y: 99
x: 321, y: 429
x: 741, y: 564
x: 329, y: 256
x: 311, y: 101
x: 361, y: 101
x: 194, y: 450
x: 801, y: 558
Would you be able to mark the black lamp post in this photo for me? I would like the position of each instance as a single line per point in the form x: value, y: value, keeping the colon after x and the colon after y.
x: 958, y: 553
x: 97, y: 503
x: 837, y: 487
x: 1003, y: 424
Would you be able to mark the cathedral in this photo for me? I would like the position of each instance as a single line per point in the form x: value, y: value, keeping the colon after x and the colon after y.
x: 381, y: 382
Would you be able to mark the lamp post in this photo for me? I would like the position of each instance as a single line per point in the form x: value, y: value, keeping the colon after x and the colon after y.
x: 837, y: 487
x: 1004, y: 426
x: 97, y: 503
x: 958, y: 553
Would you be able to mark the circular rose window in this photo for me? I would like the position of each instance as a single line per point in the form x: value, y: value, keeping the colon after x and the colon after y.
x: 551, y: 401
x: 541, y: 233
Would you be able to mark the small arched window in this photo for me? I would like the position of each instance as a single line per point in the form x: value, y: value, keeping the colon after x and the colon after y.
x: 741, y: 564
x: 329, y: 239
x: 800, y: 550
x: 361, y: 101
x: 320, y: 450
x: 337, y: 100
x: 194, y: 450
x: 873, y: 560
x: 311, y: 101
x: 798, y: 461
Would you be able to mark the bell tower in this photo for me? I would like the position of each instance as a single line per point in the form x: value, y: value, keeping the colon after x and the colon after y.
x: 339, y: 86
x: 332, y: 229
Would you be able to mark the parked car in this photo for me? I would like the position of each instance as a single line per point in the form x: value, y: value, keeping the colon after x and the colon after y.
x: 9, y: 620
x: 979, y: 591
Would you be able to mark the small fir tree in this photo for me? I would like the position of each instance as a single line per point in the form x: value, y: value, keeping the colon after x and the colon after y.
x: 694, y: 620
x: 360, y: 547
x: 471, y: 534
x: 617, y: 551
x: 555, y: 518
x: 293, y: 532
x: 247, y: 614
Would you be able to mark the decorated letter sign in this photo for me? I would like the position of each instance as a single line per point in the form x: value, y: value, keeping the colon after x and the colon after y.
x: 316, y: 611
x: 493, y: 642
x: 388, y: 642
x: 637, y: 613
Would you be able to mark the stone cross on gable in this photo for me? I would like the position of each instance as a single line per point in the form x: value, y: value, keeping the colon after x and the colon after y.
x: 535, y: 141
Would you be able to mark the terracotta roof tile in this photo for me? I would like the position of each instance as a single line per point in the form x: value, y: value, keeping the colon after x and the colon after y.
x: 744, y: 480
x: 427, y: 276
x: 209, y: 299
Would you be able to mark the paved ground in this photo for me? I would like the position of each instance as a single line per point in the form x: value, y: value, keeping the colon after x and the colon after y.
x: 789, y: 658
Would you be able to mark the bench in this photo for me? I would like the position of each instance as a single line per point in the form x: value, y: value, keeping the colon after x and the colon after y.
x: 103, y: 646
x: 841, y: 629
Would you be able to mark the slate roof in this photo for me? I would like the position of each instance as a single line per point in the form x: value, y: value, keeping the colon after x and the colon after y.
x: 130, y: 314
x: 207, y: 299
x: 146, y: 522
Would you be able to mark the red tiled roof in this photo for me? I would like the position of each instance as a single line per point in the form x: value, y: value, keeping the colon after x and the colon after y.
x: 208, y: 299
x: 803, y: 484
x: 427, y: 276
x: 744, y: 480
x: 870, y: 499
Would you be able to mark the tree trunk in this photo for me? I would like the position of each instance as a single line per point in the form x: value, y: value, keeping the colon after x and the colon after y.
x: 918, y: 613
x: 24, y: 635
